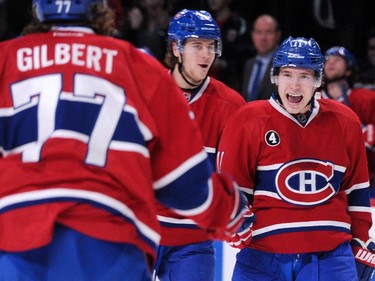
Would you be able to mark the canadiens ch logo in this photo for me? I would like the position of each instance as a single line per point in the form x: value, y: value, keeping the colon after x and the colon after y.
x: 272, y: 138
x: 305, y: 182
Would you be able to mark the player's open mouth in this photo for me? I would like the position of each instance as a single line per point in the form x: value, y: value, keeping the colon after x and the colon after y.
x: 294, y: 99
x: 203, y: 65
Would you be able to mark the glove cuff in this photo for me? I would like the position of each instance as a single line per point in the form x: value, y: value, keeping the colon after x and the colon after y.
x: 364, y: 256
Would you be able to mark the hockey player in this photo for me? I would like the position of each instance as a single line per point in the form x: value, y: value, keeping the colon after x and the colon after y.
x: 87, y: 145
x: 340, y: 68
x: 302, y: 163
x: 186, y: 252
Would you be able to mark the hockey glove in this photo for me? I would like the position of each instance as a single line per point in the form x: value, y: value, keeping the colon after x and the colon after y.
x: 243, y: 236
x: 369, y: 135
x: 364, y: 254
x: 237, y: 219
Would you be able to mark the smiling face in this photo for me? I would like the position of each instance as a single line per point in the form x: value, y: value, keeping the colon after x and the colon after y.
x: 296, y: 86
x: 196, y: 57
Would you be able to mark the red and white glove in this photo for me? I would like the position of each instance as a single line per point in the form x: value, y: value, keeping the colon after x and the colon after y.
x: 364, y: 254
x: 244, y: 234
x: 235, y: 223
x: 369, y: 135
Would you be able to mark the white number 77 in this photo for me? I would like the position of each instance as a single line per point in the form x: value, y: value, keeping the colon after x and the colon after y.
x: 61, y: 3
x: 48, y: 89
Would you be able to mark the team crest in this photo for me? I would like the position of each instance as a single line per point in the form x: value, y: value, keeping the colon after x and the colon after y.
x: 308, y: 181
x: 272, y: 138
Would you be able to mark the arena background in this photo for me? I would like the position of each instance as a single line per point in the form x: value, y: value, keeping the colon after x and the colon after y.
x: 329, y: 22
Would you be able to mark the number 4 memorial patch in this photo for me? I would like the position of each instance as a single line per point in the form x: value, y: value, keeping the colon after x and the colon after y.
x: 272, y: 138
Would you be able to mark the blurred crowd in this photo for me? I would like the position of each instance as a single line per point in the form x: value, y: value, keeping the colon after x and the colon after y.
x: 145, y: 24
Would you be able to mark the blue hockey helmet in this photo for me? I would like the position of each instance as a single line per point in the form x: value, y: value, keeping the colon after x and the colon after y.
x: 65, y: 10
x: 194, y: 24
x: 298, y: 52
x: 351, y: 62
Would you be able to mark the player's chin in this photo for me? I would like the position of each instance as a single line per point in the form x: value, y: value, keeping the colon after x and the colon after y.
x: 202, y: 75
x: 294, y: 108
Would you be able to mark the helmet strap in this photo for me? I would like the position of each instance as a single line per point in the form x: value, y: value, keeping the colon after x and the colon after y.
x: 180, y: 70
x: 310, y: 104
x: 183, y: 76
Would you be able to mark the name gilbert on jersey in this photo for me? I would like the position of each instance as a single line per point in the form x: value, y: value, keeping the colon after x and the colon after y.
x: 92, y: 57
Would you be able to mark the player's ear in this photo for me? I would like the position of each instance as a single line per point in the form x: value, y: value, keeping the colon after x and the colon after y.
x: 318, y: 82
x: 276, y: 80
x: 175, y: 50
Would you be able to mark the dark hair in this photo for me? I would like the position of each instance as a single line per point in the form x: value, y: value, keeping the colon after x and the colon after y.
x: 103, y: 23
x: 170, y: 59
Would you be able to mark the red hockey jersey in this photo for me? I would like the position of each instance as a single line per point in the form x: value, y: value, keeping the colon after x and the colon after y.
x: 212, y: 106
x: 85, y: 142
x: 362, y: 102
x: 308, y: 184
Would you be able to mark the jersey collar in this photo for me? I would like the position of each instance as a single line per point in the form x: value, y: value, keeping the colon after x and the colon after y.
x: 73, y: 29
x: 314, y: 109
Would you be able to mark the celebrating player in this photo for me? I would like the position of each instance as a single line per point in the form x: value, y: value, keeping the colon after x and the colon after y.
x: 194, y: 44
x: 340, y: 67
x: 92, y: 131
x: 302, y: 163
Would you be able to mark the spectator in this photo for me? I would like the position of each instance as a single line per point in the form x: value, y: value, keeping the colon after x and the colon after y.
x: 194, y: 44
x: 266, y: 36
x: 302, y: 163
x: 87, y: 147
x: 339, y: 71
x: 146, y: 26
x: 236, y: 43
